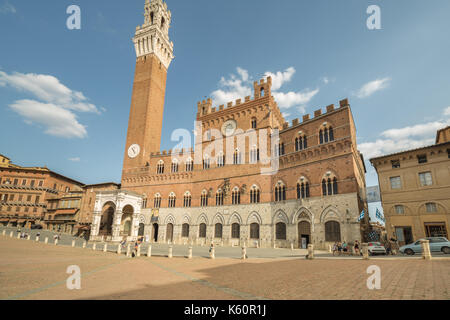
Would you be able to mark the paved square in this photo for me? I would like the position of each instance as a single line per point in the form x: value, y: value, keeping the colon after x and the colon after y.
x: 30, y: 270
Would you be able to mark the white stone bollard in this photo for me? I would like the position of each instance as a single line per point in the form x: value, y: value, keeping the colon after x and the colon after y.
x: 128, y: 250
x: 310, y: 255
x: 56, y: 241
x: 292, y: 246
x: 149, y: 250
x: 94, y: 246
x: 330, y: 249
x: 426, y: 253
x: 105, y: 248
x: 170, y: 252
x: 190, y: 253
x: 29, y: 237
x: 37, y: 238
x: 11, y: 234
x: 73, y: 243
x: 46, y: 240
x: 119, y: 248
x: 18, y: 235
x: 212, y: 254
x: 4, y: 232
x: 244, y: 253
x: 138, y: 251
x: 365, y: 250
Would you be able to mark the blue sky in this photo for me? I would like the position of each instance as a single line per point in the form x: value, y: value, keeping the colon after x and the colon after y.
x: 396, y: 78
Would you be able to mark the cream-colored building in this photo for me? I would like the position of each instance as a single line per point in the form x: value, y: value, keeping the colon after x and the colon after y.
x: 415, y: 190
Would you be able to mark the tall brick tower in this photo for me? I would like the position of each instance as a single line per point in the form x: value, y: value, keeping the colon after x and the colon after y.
x: 154, y: 52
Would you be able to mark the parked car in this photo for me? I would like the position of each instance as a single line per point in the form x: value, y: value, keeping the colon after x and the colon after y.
x: 376, y: 248
x: 437, y: 244
x: 36, y: 226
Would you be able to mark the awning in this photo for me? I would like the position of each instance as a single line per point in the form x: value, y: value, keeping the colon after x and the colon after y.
x: 21, y: 220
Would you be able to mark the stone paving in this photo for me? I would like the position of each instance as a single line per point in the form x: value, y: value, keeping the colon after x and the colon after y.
x: 30, y: 270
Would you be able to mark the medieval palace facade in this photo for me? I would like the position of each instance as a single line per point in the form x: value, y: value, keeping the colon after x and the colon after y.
x: 301, y: 182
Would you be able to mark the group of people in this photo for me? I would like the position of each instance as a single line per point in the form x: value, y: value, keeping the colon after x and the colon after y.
x: 343, y: 247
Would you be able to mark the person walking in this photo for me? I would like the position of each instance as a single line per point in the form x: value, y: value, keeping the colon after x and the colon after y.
x: 335, y: 247
x: 356, y: 246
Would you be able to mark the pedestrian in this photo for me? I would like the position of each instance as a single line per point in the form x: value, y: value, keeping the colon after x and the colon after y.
x: 335, y: 247
x: 211, y: 247
x: 38, y: 234
x: 356, y: 246
x: 339, y: 248
x: 136, y: 245
x: 344, y: 246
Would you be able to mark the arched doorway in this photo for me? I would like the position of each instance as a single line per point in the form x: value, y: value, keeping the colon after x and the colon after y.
x: 107, y: 219
x: 254, y: 231
x: 141, y: 229
x: 155, y: 232
x: 169, y: 233
x: 127, y: 220
x: 304, y: 234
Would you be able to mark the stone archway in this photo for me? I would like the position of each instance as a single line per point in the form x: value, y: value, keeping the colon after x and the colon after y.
x: 127, y: 221
x: 304, y: 234
x: 169, y: 233
x: 107, y: 219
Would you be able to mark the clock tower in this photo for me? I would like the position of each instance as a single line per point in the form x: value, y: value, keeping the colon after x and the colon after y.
x: 154, y: 52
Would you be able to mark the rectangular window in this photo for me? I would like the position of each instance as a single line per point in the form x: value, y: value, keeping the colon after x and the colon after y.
x: 399, y: 209
x: 11, y: 197
x: 396, y: 183
x: 422, y: 158
x: 395, y: 164
x: 24, y: 182
x: 41, y: 183
x: 20, y: 198
x: 29, y: 199
x: 431, y: 207
x: 32, y: 183
x: 37, y: 199
x: 425, y: 179
x: 16, y: 182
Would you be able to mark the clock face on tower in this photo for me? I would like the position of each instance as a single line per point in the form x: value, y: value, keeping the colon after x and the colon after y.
x: 134, y: 151
x: 229, y: 128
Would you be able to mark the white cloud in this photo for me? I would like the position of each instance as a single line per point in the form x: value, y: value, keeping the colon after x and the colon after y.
x: 77, y: 159
x: 325, y: 80
x: 58, y: 121
x: 6, y: 7
x: 403, y: 139
x: 290, y: 99
x: 370, y: 88
x: 447, y: 111
x: 49, y: 89
x: 280, y: 78
x: 240, y: 85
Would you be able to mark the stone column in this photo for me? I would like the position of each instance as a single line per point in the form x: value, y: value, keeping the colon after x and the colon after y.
x: 170, y: 251
x: 149, y: 250
x: 105, y: 248
x: 310, y: 252
x: 73, y: 243
x: 18, y: 235
x: 190, y: 252
x: 56, y: 241
x: 46, y: 240
x: 212, y: 254
x: 95, y: 229
x: 116, y: 226
x: 426, y: 253
x: 365, y: 250
x: 138, y: 251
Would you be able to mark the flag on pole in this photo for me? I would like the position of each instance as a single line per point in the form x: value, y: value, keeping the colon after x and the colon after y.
x: 380, y: 216
x: 361, y: 216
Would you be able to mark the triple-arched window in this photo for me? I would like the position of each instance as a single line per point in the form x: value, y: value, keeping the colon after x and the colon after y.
x: 172, y: 200
x: 237, y: 157
x: 219, y: 197
x: 157, y: 201
x: 204, y: 198
x: 255, y: 194
x: 329, y: 186
x: 160, y: 167
x: 206, y: 163
x: 303, y: 189
x: 174, y: 166
x: 280, y: 191
x: 326, y: 134
x: 301, y: 142
x: 187, y: 200
x: 236, y: 196
x: 254, y: 154
x: 189, y: 165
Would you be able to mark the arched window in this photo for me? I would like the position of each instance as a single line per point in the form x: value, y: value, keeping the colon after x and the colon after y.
x: 237, y: 157
x: 254, y: 123
x: 281, y: 149
x: 189, y: 165
x: 335, y: 186
x: 329, y: 185
x: 187, y: 200
x: 280, y: 232
x: 280, y: 192
x: 236, y: 196
x: 254, y: 154
x: 174, y: 166
x: 303, y: 190
x: 321, y: 137
x: 220, y: 160
x: 172, y: 200
x: 206, y: 163
x: 204, y: 198
x: 254, y: 231
x: 235, y: 231
x: 202, y: 231
x: 301, y: 142
x: 152, y: 16
x: 431, y: 207
x: 218, y: 230
x: 185, y: 231
x: 163, y: 23
x: 332, y: 231
x: 262, y: 92
x: 327, y: 135
x: 157, y: 201
x: 219, y: 197
x: 160, y: 167
x: 331, y: 134
x: 255, y: 194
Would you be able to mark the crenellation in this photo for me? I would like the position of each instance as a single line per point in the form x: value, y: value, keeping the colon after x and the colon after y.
x: 330, y: 108
x: 295, y: 122
x: 317, y: 113
x: 344, y: 103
